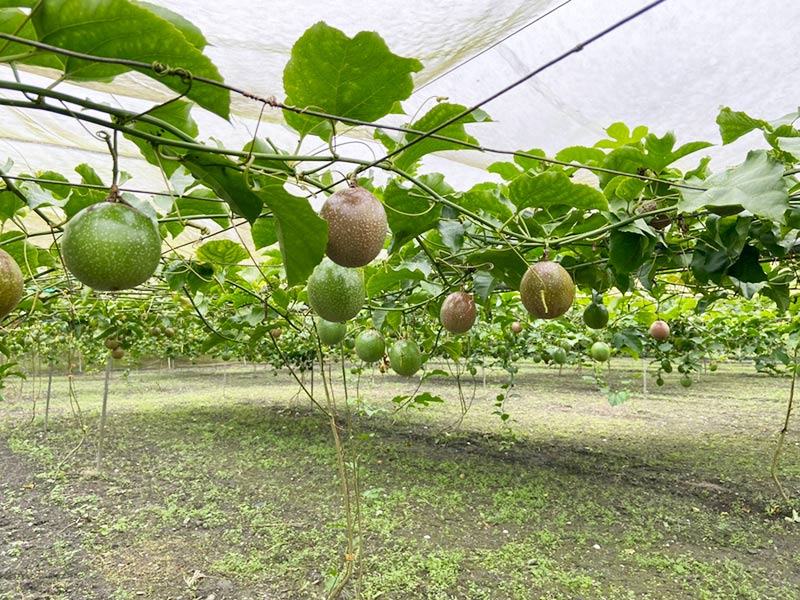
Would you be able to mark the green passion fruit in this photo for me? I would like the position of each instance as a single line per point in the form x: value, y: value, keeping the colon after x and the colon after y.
x: 595, y: 315
x: 458, y: 312
x: 405, y: 358
x: 11, y: 281
x: 335, y: 293
x: 357, y: 227
x: 547, y: 290
x: 370, y: 345
x: 111, y: 246
x: 600, y: 351
x: 330, y: 333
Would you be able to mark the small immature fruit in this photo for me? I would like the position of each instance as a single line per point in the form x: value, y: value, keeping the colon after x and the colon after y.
x: 666, y: 365
x: 595, y: 315
x: 686, y: 380
x: 659, y: 381
x: 559, y: 356
x: 370, y: 345
x: 330, y: 333
x: 516, y: 327
x: 169, y: 332
x: 659, y: 330
x: 457, y: 314
x: 547, y: 290
x: 275, y: 333
x: 118, y: 352
x: 111, y: 246
x: 10, y: 283
x: 712, y: 367
x: 335, y: 293
x: 405, y: 358
x: 356, y: 227
x: 600, y: 351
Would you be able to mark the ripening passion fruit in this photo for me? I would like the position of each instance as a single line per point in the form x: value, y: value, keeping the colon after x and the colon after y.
x: 10, y: 283
x: 405, y: 358
x: 357, y: 227
x: 370, y: 345
x: 659, y: 330
x: 547, y: 290
x: 335, y: 293
x: 458, y: 312
x: 111, y: 246
x: 330, y: 333
x: 595, y: 315
x: 600, y: 351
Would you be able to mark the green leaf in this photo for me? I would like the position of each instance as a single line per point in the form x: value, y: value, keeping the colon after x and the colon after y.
x: 627, y: 251
x: 552, y: 188
x: 387, y: 279
x: 452, y: 233
x: 487, y: 198
x: 302, y: 233
x: 504, y: 265
x: 733, y: 125
x: 264, y: 232
x: 357, y: 77
x: 10, y: 204
x: 178, y: 115
x: 748, y: 269
x: 409, y: 211
x: 621, y: 135
x: 226, y: 180
x: 222, y: 252
x: 507, y: 170
x: 756, y: 185
x: 80, y: 198
x: 581, y: 155
x: 17, y: 23
x: 121, y: 29
x: 483, y: 283
x: 189, y: 30
x: 439, y: 114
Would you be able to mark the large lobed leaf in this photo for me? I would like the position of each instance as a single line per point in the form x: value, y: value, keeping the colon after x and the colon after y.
x: 122, y: 29
x: 554, y: 188
x: 355, y: 77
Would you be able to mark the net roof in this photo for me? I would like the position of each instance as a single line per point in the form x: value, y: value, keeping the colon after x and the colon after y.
x: 671, y: 68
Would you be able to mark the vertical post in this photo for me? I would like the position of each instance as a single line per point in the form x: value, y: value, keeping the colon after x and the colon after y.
x: 644, y: 380
x: 103, y: 412
x: 49, y: 388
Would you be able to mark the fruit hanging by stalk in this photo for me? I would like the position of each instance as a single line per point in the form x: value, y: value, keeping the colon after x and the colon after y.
x: 335, y: 293
x: 11, y: 283
x: 458, y: 312
x: 357, y: 227
x: 547, y: 290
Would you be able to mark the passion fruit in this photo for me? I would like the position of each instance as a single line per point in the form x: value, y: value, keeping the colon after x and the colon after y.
x: 335, y: 293
x: 370, y: 345
x: 458, y: 312
x: 111, y: 246
x: 595, y: 315
x: 600, y: 351
x: 405, y: 358
x: 516, y: 327
x: 357, y: 227
x: 659, y: 330
x: 330, y: 333
x: 547, y: 290
x: 10, y: 283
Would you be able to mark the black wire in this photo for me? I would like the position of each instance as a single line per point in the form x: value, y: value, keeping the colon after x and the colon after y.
x: 517, y: 83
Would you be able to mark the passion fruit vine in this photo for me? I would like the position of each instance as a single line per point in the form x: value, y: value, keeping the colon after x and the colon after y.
x: 111, y: 246
x: 10, y: 283
x: 357, y: 227
x: 547, y: 290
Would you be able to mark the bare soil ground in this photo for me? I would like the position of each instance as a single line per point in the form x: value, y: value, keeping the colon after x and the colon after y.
x: 221, y: 483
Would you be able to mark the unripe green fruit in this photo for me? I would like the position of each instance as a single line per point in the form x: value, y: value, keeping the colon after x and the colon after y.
x: 559, y: 356
x: 405, y: 358
x: 10, y: 283
x: 335, y: 293
x: 546, y: 290
x: 712, y: 367
x: 600, y: 351
x: 356, y: 227
x: 659, y: 381
x: 458, y: 312
x: 370, y: 345
x: 595, y: 316
x: 666, y: 365
x: 686, y: 381
x: 111, y: 246
x: 330, y: 333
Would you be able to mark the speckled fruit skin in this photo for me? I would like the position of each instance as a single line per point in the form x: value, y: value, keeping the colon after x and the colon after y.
x: 405, y: 358
x: 335, y: 293
x: 600, y: 351
x: 458, y: 312
x: 356, y: 227
x: 111, y: 246
x: 10, y: 283
x: 370, y: 345
x: 330, y: 333
x: 659, y: 330
x: 546, y: 290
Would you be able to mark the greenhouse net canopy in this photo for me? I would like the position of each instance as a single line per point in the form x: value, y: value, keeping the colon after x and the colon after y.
x: 670, y: 68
